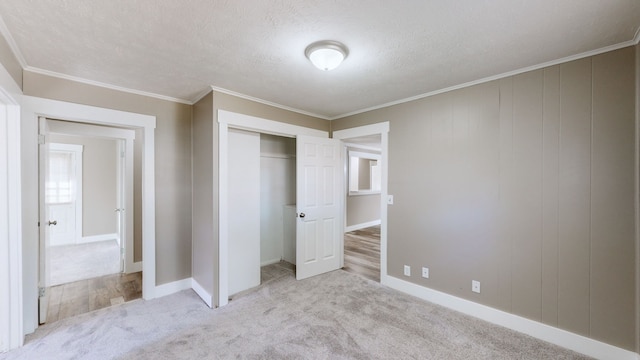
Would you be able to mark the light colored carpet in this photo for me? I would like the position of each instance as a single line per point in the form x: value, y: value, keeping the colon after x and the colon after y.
x: 332, y: 316
x: 69, y: 263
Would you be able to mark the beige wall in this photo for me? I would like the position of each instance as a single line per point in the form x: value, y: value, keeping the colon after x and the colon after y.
x: 99, y: 183
x: 527, y: 185
x: 362, y: 209
x: 9, y: 61
x: 205, y: 166
x: 172, y: 162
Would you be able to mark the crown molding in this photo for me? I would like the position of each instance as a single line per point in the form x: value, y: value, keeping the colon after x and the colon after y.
x: 269, y: 103
x: 4, y: 30
x: 105, y: 85
x: 499, y: 76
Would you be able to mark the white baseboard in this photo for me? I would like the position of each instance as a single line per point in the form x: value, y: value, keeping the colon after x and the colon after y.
x: 362, y: 226
x: 269, y: 262
x: 172, y: 287
x: 566, y: 339
x: 204, y: 295
x: 95, y: 238
x: 134, y: 268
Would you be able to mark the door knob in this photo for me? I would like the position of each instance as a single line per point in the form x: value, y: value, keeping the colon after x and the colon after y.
x: 302, y: 215
x: 54, y: 222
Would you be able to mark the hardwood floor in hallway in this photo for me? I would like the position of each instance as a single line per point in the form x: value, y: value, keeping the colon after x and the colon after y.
x: 83, y: 296
x: 362, y: 252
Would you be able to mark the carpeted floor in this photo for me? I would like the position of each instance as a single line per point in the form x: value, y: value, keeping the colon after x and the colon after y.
x: 71, y: 263
x: 337, y: 315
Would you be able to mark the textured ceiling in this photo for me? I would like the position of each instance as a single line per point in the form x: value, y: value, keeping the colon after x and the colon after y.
x: 397, y: 50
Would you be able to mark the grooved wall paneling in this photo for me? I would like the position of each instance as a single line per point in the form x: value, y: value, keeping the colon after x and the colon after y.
x: 525, y: 184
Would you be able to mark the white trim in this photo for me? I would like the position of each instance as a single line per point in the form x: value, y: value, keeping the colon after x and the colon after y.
x: 265, y: 126
x: 494, y: 77
x: 32, y: 108
x: 226, y: 120
x: 269, y: 262
x: 636, y: 40
x: 74, y: 128
x: 96, y: 238
x: 538, y: 330
x: 134, y: 268
x: 265, y: 102
x: 381, y: 128
x: 362, y: 225
x: 4, y: 30
x: 362, y: 147
x: 128, y: 136
x: 202, y: 293
x: 11, y: 323
x: 172, y: 287
x: 58, y: 75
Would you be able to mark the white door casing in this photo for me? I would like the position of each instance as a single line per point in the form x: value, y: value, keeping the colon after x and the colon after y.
x: 11, y: 330
x: 45, y: 222
x: 124, y: 173
x: 382, y: 129
x: 226, y: 119
x: 32, y: 107
x: 319, y: 206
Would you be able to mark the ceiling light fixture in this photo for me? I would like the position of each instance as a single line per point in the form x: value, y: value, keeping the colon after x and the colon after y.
x: 326, y: 54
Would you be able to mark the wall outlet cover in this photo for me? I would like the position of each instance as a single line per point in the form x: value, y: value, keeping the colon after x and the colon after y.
x: 425, y: 272
x: 475, y: 286
x: 407, y: 270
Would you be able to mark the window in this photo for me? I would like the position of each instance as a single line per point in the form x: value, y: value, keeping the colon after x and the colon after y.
x: 60, y: 185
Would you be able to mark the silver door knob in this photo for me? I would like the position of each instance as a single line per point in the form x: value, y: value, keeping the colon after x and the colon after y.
x: 54, y: 222
x: 302, y: 215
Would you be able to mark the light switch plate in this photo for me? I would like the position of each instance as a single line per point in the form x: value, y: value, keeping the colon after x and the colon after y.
x: 407, y: 270
x: 390, y: 199
x: 425, y: 272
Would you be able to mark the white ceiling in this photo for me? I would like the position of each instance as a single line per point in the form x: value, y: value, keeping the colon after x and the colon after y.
x: 397, y: 49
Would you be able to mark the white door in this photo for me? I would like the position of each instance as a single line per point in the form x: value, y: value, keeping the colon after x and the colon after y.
x: 319, y: 206
x: 45, y: 221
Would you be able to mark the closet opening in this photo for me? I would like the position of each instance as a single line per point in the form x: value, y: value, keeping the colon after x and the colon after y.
x: 262, y: 208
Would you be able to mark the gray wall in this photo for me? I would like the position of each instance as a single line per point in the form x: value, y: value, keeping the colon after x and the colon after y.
x: 172, y: 162
x: 99, y: 183
x: 527, y: 185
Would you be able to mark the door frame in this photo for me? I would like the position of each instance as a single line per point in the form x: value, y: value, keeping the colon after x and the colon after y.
x: 382, y: 129
x: 32, y: 107
x: 226, y: 120
x: 120, y: 135
x: 11, y: 325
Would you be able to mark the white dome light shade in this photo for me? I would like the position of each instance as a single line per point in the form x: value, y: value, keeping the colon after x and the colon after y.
x: 326, y: 55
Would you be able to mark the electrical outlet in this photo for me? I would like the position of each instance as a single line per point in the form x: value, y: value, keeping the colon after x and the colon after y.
x: 407, y: 270
x: 390, y: 199
x: 425, y: 272
x: 475, y: 286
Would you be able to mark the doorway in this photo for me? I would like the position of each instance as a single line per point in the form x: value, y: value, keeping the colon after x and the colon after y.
x: 87, y: 203
x: 366, y: 236
x: 262, y: 198
x: 311, y: 141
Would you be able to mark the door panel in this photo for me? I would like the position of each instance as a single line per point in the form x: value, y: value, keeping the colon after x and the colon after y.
x: 319, y: 206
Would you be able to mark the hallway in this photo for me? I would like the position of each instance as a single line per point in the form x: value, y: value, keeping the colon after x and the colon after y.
x: 362, y: 252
